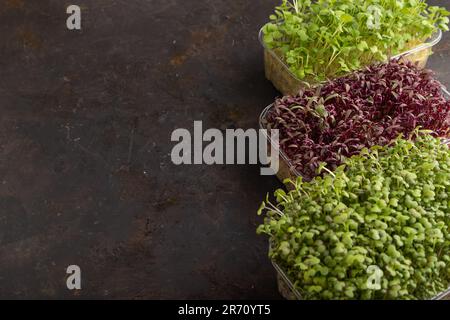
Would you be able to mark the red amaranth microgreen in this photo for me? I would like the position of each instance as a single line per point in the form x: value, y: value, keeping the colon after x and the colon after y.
x: 366, y: 108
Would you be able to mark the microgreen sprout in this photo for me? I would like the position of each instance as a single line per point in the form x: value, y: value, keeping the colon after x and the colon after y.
x: 323, y: 39
x: 386, y: 209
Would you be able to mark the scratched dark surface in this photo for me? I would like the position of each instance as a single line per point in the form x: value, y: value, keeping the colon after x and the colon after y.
x: 85, y: 170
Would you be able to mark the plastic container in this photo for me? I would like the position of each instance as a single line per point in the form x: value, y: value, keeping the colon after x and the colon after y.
x: 288, y: 84
x: 288, y: 291
x: 286, y: 168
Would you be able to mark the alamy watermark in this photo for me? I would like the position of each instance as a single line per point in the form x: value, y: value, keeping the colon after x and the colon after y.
x: 73, y: 281
x: 229, y: 147
x: 73, y: 22
x: 374, y: 280
x: 374, y: 17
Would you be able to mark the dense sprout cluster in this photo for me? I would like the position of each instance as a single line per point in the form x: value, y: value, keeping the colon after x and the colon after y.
x: 323, y: 39
x: 387, y: 209
x: 367, y: 108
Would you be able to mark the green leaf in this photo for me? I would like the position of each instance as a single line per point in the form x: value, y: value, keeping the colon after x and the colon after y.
x: 346, y: 18
x: 362, y: 46
x: 261, y: 208
x: 321, y: 110
x: 303, y: 36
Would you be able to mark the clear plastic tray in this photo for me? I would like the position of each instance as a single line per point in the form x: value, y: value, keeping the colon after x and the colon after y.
x: 288, y: 84
x: 289, y: 292
x: 286, y: 168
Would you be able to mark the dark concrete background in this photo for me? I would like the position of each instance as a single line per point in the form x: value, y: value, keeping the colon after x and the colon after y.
x: 85, y: 170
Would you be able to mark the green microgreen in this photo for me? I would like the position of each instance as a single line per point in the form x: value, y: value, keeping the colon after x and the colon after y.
x: 323, y: 39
